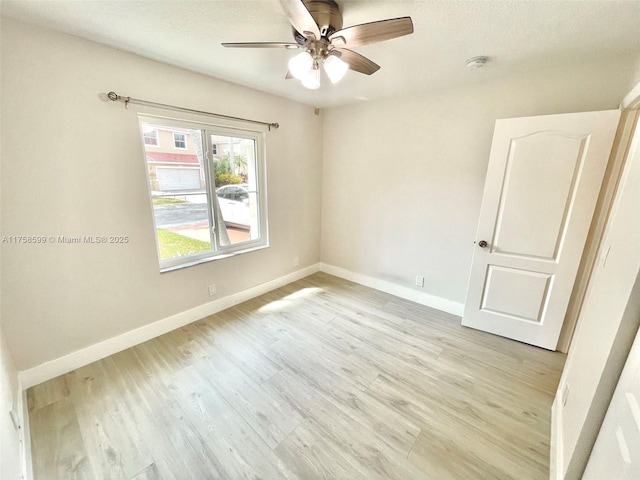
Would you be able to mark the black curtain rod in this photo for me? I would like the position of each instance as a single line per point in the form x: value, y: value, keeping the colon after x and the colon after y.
x: 113, y: 96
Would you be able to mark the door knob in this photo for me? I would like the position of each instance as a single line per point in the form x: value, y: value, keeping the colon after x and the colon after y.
x: 482, y: 244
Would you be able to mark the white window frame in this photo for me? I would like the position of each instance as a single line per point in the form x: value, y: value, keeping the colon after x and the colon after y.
x: 157, y: 137
x: 217, y: 251
x: 184, y: 135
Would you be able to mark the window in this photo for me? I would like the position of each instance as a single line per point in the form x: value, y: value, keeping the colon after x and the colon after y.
x: 214, y: 149
x: 180, y: 140
x: 206, y: 207
x: 150, y: 136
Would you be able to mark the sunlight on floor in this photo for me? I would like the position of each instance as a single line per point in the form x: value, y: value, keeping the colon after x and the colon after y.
x: 303, y: 293
x: 278, y: 305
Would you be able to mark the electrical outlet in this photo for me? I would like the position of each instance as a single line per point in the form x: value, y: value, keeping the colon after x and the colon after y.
x: 419, y: 281
x: 212, y: 290
x: 296, y: 261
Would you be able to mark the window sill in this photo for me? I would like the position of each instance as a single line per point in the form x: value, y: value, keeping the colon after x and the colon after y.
x: 212, y: 258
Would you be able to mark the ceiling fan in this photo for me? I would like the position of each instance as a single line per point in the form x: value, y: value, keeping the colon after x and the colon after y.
x: 317, y: 30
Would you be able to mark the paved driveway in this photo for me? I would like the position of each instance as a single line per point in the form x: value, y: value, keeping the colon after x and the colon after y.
x: 175, y: 214
x: 191, y: 220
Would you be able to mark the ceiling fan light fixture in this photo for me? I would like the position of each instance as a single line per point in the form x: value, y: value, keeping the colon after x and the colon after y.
x: 301, y: 65
x: 312, y: 79
x: 335, y: 68
x: 318, y: 31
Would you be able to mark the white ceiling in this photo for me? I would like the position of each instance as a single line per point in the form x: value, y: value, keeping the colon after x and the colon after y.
x: 515, y: 35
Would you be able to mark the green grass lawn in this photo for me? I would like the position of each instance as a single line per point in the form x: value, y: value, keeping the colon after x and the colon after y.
x: 166, y: 200
x: 175, y: 245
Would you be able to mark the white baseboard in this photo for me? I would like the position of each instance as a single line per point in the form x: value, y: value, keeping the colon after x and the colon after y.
x: 432, y: 301
x: 60, y: 366
x: 556, y: 460
x: 85, y: 356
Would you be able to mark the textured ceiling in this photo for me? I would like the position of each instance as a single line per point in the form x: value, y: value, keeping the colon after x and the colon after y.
x: 515, y: 35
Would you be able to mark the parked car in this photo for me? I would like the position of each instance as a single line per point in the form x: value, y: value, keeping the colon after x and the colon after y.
x: 234, y: 205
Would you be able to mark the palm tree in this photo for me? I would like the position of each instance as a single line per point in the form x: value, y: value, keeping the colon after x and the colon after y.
x: 223, y: 164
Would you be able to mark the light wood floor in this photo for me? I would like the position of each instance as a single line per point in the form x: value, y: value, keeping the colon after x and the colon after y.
x: 322, y: 378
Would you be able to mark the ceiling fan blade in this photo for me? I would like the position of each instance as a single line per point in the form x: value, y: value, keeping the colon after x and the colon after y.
x: 299, y: 17
x: 261, y: 45
x: 357, y: 62
x: 366, y: 33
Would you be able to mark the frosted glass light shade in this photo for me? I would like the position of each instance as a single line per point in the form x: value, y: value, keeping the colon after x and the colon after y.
x: 300, y: 65
x: 312, y: 79
x: 335, y: 68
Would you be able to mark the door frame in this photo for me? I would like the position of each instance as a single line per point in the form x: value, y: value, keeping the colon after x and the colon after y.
x: 629, y: 121
x: 630, y: 107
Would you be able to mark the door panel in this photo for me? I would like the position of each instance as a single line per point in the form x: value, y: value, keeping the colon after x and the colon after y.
x: 542, y: 185
x: 516, y: 293
x: 529, y: 223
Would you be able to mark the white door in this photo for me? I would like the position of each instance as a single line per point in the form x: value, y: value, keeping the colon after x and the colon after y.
x: 542, y: 185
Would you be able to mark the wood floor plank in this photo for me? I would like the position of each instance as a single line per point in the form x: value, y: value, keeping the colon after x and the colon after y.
x: 349, y: 367
x: 364, y: 451
x: 177, y: 448
x: 149, y: 473
x: 317, y: 382
x: 405, y: 346
x: 506, y: 443
x: 57, y: 448
x: 312, y: 457
x: 345, y: 298
x: 376, y: 453
x: 110, y: 437
x: 224, y: 431
x: 271, y: 420
x: 226, y: 341
x: 47, y: 393
x: 319, y: 379
x: 446, y: 459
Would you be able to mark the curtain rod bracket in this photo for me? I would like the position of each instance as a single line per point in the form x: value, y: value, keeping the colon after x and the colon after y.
x: 114, y: 97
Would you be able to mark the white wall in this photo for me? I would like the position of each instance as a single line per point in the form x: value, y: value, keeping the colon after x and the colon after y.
x: 73, y: 165
x: 636, y: 77
x: 9, y: 436
x: 606, y: 328
x: 403, y: 177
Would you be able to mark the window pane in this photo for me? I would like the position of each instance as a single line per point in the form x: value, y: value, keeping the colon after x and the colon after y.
x: 206, y: 188
x: 150, y: 136
x: 235, y: 165
x: 179, y: 140
x: 178, y: 191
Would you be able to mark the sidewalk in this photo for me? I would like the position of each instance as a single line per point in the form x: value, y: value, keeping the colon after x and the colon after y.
x: 200, y: 231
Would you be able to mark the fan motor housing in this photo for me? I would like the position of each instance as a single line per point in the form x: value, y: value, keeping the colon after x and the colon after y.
x: 327, y: 15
